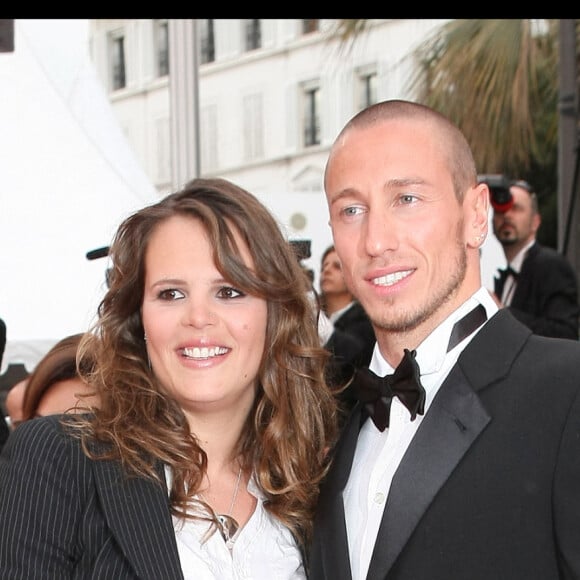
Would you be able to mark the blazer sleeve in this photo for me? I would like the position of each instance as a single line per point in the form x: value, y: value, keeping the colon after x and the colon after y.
x: 40, y: 502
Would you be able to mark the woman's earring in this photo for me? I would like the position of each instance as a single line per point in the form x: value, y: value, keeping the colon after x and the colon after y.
x: 147, y: 351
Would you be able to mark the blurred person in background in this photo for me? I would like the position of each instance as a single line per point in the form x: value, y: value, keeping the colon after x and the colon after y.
x: 342, y: 308
x: 350, y: 338
x: 2, y: 340
x: 53, y: 387
x: 539, y: 285
x: 4, y: 426
x: 204, y: 455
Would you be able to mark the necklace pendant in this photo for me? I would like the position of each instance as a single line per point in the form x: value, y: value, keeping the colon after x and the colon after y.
x: 227, y: 527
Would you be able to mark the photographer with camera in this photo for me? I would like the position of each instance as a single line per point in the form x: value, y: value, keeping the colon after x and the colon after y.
x: 538, y: 285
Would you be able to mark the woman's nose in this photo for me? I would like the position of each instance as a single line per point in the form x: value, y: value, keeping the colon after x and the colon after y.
x: 199, y: 313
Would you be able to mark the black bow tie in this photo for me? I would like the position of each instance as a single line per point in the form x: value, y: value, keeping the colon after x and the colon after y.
x: 503, y: 273
x: 376, y: 393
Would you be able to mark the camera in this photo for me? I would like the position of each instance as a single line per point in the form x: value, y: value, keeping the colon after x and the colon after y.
x: 499, y: 187
x: 303, y: 250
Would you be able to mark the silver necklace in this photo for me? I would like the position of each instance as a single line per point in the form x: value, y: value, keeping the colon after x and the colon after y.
x: 227, y: 524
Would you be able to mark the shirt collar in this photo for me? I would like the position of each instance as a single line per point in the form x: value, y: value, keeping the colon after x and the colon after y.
x: 432, y: 351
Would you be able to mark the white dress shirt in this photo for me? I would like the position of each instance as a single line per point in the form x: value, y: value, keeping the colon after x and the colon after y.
x: 264, y: 549
x: 378, y: 454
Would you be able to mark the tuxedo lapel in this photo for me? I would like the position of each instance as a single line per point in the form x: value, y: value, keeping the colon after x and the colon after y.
x: 137, y: 512
x: 451, y: 425
x: 455, y: 419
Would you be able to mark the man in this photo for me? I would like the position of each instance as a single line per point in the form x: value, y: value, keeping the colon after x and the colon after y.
x: 539, y: 285
x: 480, y: 479
x: 353, y: 339
x: 343, y: 310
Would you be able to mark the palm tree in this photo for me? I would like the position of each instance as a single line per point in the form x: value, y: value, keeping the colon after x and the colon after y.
x: 498, y: 80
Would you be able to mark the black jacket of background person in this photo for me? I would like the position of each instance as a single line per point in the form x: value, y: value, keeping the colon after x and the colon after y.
x: 2, y: 339
x: 355, y: 321
x: 4, y: 431
x: 546, y: 294
x: 352, y: 344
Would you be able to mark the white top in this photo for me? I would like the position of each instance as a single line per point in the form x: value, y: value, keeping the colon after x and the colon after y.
x: 264, y: 549
x: 378, y: 454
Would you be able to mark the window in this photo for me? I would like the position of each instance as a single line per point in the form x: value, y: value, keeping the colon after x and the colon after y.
x: 253, y: 34
x: 310, y: 25
x: 311, y: 115
x: 162, y: 47
x: 117, y: 61
x: 367, y: 86
x: 253, y: 127
x: 207, y: 41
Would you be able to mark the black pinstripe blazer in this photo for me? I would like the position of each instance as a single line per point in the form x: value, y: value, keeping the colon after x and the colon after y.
x: 64, y: 516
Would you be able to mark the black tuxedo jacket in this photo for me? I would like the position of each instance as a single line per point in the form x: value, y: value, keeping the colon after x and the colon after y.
x: 352, y: 344
x: 2, y: 339
x: 546, y: 295
x: 489, y: 488
x: 79, y: 519
x: 356, y: 322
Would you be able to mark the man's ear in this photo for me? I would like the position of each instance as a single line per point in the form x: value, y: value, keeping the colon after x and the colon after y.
x: 476, y: 204
x: 536, y: 222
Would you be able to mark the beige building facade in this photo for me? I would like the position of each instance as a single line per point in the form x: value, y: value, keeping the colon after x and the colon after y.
x: 271, y: 94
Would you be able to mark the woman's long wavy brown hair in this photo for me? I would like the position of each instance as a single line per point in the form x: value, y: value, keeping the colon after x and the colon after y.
x: 293, y: 422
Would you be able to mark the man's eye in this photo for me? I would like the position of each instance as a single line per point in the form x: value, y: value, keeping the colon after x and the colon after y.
x: 170, y: 294
x: 227, y: 292
x: 408, y: 198
x: 351, y: 211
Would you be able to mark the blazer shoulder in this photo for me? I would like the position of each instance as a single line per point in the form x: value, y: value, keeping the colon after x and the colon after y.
x: 42, y: 442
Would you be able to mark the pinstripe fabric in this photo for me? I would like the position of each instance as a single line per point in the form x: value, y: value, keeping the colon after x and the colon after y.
x: 64, y: 516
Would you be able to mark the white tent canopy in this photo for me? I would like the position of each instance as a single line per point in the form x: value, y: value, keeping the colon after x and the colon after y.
x: 67, y: 179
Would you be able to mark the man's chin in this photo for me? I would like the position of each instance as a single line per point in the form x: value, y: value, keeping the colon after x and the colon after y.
x: 508, y: 241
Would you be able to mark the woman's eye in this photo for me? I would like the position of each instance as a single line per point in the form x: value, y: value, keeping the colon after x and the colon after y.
x: 228, y: 292
x: 170, y: 294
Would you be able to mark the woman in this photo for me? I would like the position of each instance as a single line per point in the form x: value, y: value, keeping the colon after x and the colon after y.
x: 204, y: 456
